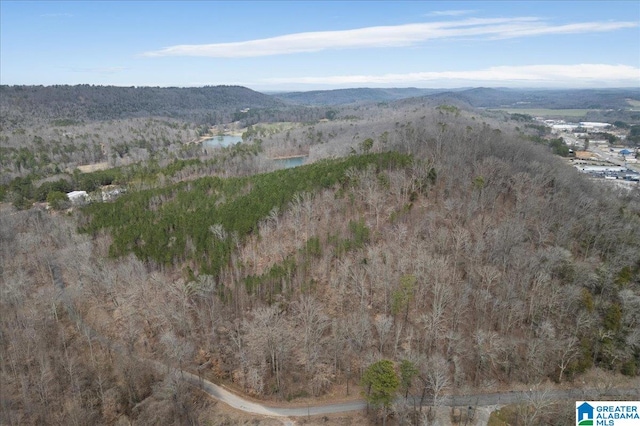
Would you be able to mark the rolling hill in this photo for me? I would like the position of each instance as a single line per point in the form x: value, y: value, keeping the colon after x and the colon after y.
x: 85, y: 102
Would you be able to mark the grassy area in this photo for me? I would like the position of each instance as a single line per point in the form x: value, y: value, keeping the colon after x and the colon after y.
x: 262, y: 130
x: 545, y: 112
x: 633, y: 102
x: 88, y: 168
x: 503, y: 416
x: 279, y: 126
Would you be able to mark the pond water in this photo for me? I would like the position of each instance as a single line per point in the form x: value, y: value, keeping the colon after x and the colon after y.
x: 218, y: 141
x: 226, y: 140
x: 290, y: 162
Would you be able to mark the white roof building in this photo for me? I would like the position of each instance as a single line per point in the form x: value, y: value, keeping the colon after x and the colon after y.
x: 600, y: 169
x: 593, y: 125
x: 564, y: 127
x: 77, y: 197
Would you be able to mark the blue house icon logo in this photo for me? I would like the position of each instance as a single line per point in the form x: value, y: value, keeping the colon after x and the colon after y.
x: 585, y: 414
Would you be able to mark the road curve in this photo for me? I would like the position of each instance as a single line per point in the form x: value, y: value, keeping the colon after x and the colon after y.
x: 247, y: 406
x: 475, y: 400
x: 238, y: 402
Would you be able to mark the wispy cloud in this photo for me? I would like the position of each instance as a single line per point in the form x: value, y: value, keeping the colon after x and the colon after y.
x: 585, y: 27
x: 388, y: 36
x: 451, y: 12
x: 527, y: 75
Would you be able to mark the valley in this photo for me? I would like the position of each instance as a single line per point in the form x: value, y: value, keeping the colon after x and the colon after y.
x: 432, y: 234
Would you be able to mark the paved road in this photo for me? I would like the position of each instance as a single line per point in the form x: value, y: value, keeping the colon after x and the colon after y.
x: 245, y: 405
x: 537, y: 395
x: 477, y: 400
x: 236, y: 401
x: 614, y: 159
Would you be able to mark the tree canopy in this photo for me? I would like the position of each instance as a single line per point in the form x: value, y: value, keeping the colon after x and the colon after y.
x: 380, y: 383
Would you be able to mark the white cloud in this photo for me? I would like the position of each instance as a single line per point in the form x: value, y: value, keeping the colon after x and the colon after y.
x: 580, y: 75
x: 451, y: 12
x: 585, y: 27
x: 387, y: 36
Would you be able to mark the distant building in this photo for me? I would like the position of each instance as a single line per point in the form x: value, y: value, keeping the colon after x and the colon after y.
x: 594, y: 125
x: 585, y: 155
x: 77, y: 197
x: 564, y: 127
x: 601, y: 169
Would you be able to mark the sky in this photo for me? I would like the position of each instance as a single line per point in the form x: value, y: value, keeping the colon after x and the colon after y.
x: 296, y: 45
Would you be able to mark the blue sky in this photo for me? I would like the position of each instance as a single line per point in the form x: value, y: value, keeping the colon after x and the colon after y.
x: 292, y: 45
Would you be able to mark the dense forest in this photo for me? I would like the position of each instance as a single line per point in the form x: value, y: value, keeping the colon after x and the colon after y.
x: 450, y: 247
x: 87, y: 102
x: 606, y: 105
x: 353, y: 96
x: 615, y: 99
x: 555, y: 99
x: 48, y: 130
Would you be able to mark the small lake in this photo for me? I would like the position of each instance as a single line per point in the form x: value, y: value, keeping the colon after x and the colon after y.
x: 218, y: 141
x: 290, y: 162
x: 227, y: 140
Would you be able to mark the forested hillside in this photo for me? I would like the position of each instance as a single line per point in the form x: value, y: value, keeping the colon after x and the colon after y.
x: 353, y: 96
x: 436, y: 238
x: 86, y: 102
x: 46, y: 130
x: 595, y: 99
x: 554, y: 99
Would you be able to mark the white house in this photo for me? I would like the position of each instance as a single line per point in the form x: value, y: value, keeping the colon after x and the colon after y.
x: 77, y: 197
x: 594, y: 125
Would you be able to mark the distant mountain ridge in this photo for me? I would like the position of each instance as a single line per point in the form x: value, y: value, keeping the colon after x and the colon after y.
x: 480, y: 97
x: 353, y: 96
x: 219, y: 104
x: 483, y: 97
x: 111, y: 102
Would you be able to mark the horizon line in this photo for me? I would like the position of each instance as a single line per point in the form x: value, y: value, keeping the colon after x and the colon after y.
x: 125, y: 86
